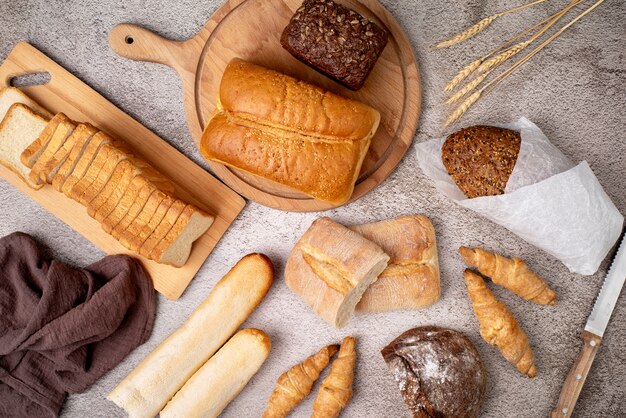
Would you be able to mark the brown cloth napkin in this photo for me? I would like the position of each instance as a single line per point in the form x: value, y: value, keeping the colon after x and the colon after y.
x: 62, y: 328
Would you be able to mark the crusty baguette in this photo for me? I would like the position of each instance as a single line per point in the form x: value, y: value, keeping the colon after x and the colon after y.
x: 330, y: 267
x: 411, y: 279
x: 220, y: 379
x: 146, y: 390
x: 288, y: 131
x: 19, y: 128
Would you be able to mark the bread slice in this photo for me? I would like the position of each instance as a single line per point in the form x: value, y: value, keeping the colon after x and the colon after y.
x: 175, y: 247
x: 103, y: 177
x: 331, y: 267
x: 11, y: 95
x: 411, y: 279
x: 106, y: 160
x: 135, y: 195
x: 119, y: 181
x: 81, y: 145
x: 170, y: 218
x: 54, y: 163
x: 72, y: 177
x: 146, y: 390
x: 19, y: 128
x: 141, y: 220
x: 134, y: 210
x: 62, y: 132
x: 142, y: 234
x: 221, y: 378
x: 32, y: 152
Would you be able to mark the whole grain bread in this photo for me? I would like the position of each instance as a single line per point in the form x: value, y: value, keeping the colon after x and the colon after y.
x: 480, y: 159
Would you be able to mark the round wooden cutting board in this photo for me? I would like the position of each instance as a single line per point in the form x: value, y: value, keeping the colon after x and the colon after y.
x: 251, y: 29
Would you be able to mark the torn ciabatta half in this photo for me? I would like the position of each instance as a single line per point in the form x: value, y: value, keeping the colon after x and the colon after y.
x: 330, y: 267
x: 288, y: 131
x: 411, y: 279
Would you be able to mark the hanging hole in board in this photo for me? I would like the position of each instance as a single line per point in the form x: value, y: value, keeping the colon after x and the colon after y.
x: 30, y: 79
x: 129, y: 40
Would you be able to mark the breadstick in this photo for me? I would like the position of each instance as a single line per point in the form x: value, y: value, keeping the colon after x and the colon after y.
x: 146, y: 390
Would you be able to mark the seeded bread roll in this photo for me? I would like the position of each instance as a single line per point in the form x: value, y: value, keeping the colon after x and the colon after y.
x: 480, y: 159
x: 439, y: 372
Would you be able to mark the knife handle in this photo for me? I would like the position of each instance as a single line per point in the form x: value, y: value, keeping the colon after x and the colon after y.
x: 577, y: 375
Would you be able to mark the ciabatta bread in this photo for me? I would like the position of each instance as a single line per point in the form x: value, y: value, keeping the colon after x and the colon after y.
x: 411, y: 279
x: 220, y: 379
x: 20, y: 127
x: 290, y: 132
x: 146, y: 390
x: 330, y: 267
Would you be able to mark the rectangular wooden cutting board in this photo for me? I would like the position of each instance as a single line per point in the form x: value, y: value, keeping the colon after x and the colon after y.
x: 66, y: 93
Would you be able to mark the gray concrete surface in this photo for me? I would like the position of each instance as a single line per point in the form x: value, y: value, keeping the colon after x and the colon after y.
x: 574, y: 90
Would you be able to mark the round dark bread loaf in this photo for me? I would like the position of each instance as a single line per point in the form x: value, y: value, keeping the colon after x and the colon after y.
x: 480, y: 159
x: 439, y: 372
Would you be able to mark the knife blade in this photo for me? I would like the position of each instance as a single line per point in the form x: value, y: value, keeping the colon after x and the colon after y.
x: 592, y: 335
x: 607, y: 298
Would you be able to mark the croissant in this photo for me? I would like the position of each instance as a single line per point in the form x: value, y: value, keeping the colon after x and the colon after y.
x: 336, y: 389
x: 498, y: 326
x: 512, y: 274
x: 295, y: 384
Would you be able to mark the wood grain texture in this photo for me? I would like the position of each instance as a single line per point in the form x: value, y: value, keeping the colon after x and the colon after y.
x: 66, y: 93
x: 251, y: 29
x: 576, y: 377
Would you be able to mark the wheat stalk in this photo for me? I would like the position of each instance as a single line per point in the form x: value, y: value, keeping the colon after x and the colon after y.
x: 468, y: 87
x: 463, y: 107
x: 463, y: 74
x: 503, y: 56
x: 480, y: 26
x: 489, y: 87
x: 469, y: 69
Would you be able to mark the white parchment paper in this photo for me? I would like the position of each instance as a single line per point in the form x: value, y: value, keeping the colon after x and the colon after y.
x: 549, y: 202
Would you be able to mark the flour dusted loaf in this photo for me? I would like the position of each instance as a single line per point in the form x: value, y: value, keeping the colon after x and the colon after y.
x: 288, y: 131
x: 480, y: 159
x: 330, y: 267
x: 131, y: 199
x: 411, y: 279
x: 439, y: 372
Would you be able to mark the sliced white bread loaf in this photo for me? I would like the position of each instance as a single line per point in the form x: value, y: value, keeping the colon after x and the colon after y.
x: 142, y: 233
x: 142, y: 219
x: 104, y: 155
x: 32, y: 152
x: 134, y: 211
x: 76, y: 139
x: 85, y: 159
x: 72, y: 161
x: 62, y: 132
x: 20, y: 127
x: 11, y: 95
x: 120, y: 200
x: 175, y: 247
x: 135, y: 195
x: 105, y: 174
x: 119, y: 180
x: 170, y: 218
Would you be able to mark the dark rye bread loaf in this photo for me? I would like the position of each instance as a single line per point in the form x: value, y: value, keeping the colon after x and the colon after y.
x: 439, y: 372
x: 480, y: 159
x: 334, y: 40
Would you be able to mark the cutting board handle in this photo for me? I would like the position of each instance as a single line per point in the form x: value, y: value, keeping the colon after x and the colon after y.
x: 141, y: 44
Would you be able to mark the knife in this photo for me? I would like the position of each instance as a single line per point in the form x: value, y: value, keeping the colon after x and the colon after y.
x: 594, y: 330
